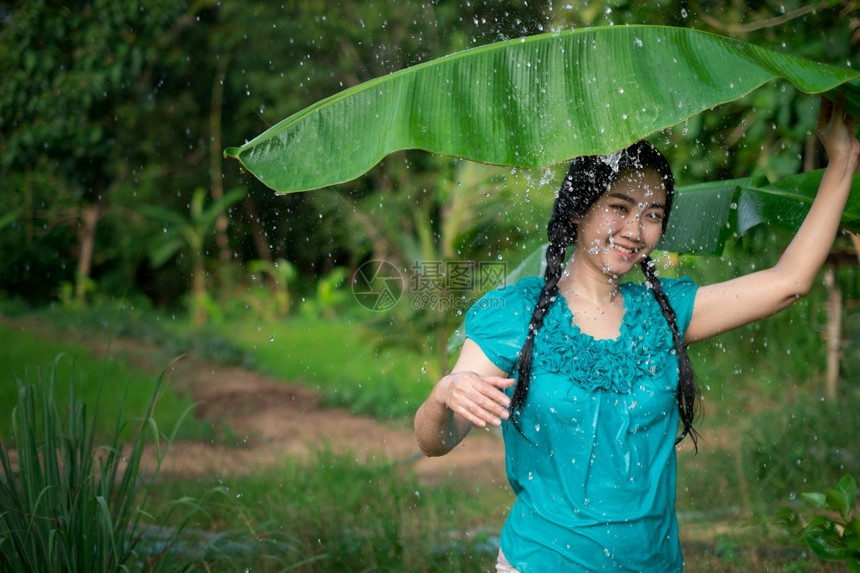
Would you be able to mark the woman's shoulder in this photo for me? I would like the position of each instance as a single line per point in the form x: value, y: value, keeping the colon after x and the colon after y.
x: 499, y: 320
x: 673, y: 287
x: 681, y: 293
x: 523, y: 286
x: 508, y: 300
x: 527, y: 288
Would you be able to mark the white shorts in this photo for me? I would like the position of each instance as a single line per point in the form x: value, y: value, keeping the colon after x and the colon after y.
x: 502, y: 564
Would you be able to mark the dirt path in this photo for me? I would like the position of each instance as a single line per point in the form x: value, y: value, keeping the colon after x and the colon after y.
x: 265, y: 420
x: 271, y: 420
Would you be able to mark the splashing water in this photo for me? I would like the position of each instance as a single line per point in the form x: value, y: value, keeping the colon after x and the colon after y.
x: 612, y: 160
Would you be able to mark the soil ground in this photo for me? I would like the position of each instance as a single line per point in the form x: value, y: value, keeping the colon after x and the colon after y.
x: 270, y: 420
x: 262, y: 420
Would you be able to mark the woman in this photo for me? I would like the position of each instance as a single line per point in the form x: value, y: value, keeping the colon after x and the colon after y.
x: 601, y: 379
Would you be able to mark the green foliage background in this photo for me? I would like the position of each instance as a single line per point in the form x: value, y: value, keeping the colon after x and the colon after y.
x: 108, y: 109
x: 105, y: 109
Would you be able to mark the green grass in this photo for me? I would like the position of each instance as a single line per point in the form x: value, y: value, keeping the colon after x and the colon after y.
x: 342, y: 360
x: 171, y: 333
x: 73, y: 501
x: 803, y: 447
x: 23, y: 355
x: 335, y: 513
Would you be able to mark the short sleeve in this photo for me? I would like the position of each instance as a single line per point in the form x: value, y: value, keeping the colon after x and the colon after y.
x: 682, y: 295
x: 498, y: 322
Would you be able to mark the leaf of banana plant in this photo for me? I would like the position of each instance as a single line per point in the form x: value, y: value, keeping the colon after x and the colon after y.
x: 705, y: 216
x: 529, y: 102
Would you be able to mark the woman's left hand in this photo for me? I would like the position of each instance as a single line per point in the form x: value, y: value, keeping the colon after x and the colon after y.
x: 835, y: 130
x: 723, y: 306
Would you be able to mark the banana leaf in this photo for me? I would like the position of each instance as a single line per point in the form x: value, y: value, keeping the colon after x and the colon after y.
x: 706, y: 215
x: 530, y: 102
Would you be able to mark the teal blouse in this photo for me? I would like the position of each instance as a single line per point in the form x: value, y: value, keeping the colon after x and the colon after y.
x: 594, y: 467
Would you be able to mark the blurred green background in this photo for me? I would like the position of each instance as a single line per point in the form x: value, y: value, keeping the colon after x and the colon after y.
x: 119, y: 219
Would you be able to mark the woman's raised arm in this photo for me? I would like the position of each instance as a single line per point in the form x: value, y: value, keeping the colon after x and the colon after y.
x: 723, y: 306
x: 472, y: 395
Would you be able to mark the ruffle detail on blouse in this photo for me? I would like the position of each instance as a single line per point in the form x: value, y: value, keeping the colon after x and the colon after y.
x: 640, y: 351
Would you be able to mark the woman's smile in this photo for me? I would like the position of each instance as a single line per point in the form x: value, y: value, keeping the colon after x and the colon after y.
x: 625, y: 224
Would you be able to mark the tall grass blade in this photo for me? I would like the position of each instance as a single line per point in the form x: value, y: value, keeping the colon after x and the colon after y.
x: 68, y: 504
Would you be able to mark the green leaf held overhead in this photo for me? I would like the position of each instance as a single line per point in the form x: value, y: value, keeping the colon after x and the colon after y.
x: 530, y: 102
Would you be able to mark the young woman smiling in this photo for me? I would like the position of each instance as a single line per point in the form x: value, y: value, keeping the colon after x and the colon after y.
x: 588, y: 374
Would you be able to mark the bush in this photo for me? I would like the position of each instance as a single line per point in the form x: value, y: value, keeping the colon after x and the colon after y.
x: 834, y: 534
x: 68, y: 503
x: 798, y: 447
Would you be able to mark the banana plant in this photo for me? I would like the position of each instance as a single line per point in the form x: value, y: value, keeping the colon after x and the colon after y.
x: 706, y: 215
x: 541, y: 100
x: 281, y: 274
x: 189, y: 234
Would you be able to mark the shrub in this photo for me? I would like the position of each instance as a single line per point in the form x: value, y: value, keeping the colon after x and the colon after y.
x: 833, y: 535
x: 68, y: 503
x: 790, y: 449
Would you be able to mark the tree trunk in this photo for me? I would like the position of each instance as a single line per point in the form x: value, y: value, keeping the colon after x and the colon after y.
x: 442, y: 349
x: 29, y: 212
x: 260, y: 240
x: 855, y: 240
x: 90, y: 215
x: 221, y: 223
x: 834, y: 329
x: 199, y: 291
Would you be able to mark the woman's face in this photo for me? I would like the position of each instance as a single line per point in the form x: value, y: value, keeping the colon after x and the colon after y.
x: 625, y: 223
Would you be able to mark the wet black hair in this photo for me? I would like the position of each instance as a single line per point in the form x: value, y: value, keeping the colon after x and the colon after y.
x: 586, y: 180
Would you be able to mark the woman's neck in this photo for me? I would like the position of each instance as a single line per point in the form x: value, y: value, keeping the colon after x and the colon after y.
x: 594, y: 300
x: 586, y: 284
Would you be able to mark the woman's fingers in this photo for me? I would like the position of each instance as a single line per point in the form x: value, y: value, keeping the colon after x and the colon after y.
x: 479, y: 399
x: 825, y: 112
x: 482, y: 405
x: 835, y: 129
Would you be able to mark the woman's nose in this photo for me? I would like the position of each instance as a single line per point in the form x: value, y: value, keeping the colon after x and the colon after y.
x: 633, y: 227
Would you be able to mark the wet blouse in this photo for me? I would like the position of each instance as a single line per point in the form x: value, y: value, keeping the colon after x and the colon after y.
x: 594, y: 467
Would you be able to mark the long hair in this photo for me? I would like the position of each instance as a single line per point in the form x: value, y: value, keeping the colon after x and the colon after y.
x: 586, y: 180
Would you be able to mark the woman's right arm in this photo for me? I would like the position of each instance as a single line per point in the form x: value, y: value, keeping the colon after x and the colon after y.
x: 471, y: 395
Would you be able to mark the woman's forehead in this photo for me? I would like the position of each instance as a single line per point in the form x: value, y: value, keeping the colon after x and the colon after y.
x: 640, y: 184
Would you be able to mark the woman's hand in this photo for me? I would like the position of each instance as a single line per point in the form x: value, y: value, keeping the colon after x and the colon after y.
x: 472, y: 395
x: 835, y: 130
x: 478, y: 399
x: 723, y: 306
